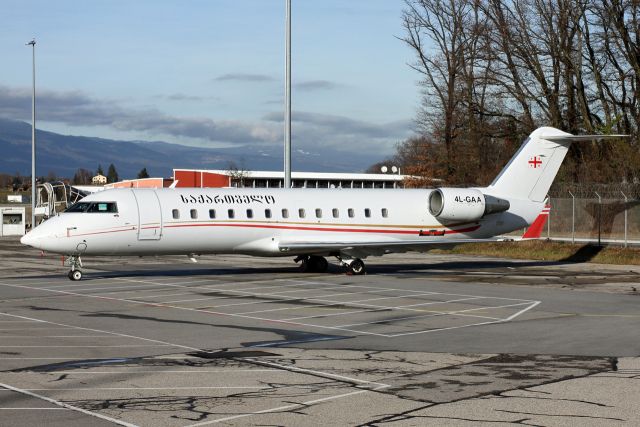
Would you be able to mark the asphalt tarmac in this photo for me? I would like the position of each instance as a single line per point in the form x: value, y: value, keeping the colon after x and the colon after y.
x: 420, y: 340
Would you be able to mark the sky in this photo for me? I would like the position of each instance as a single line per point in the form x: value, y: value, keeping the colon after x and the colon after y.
x: 210, y: 73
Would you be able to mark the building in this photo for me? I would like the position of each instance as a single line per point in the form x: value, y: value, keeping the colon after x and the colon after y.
x: 141, y: 183
x: 99, y: 180
x: 12, y: 221
x: 273, y: 179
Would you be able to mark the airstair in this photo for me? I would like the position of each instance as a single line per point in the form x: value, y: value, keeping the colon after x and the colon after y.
x: 54, y: 197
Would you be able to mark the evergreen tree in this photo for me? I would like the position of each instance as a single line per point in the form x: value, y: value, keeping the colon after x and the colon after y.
x: 112, y: 175
x: 99, y: 171
x: 143, y: 173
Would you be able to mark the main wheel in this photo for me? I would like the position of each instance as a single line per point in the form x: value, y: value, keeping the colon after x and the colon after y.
x: 75, y: 275
x: 357, y: 266
x: 318, y: 264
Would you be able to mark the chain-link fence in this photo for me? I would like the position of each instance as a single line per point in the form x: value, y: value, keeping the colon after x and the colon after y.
x: 599, y: 219
x: 595, y: 219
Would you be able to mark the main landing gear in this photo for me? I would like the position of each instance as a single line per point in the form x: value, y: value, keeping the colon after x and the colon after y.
x: 76, y: 265
x: 318, y: 264
x: 312, y: 264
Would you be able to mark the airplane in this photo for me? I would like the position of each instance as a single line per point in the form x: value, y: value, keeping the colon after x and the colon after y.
x: 308, y: 224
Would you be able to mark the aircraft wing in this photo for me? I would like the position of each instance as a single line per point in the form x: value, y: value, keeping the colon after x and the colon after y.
x: 364, y: 248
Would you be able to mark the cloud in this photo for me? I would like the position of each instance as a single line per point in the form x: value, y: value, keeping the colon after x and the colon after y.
x: 183, y: 97
x: 344, y: 125
x: 314, y: 85
x: 78, y: 109
x: 244, y: 77
x: 316, y: 132
x: 313, y: 133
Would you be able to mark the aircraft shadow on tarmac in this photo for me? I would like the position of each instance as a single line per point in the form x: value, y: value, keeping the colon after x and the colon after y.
x: 584, y: 254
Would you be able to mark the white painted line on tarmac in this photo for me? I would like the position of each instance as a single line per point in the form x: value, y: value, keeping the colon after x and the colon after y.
x: 103, y: 331
x: 66, y: 405
x: 34, y: 409
x: 16, y: 321
x: 266, y: 301
x: 155, y: 388
x: 340, y: 327
x: 57, y: 336
x: 436, y: 313
x: 126, y: 370
x: 85, y: 346
x: 29, y: 329
x: 279, y: 409
x: 334, y: 303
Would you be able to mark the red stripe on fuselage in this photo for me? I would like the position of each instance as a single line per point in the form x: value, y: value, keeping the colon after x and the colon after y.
x: 285, y: 227
x: 347, y: 230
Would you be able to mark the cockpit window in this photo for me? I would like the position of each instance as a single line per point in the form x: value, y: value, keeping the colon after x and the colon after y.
x: 78, y: 207
x: 94, y: 207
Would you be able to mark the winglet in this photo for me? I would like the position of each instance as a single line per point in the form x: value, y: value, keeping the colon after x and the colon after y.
x: 535, y: 229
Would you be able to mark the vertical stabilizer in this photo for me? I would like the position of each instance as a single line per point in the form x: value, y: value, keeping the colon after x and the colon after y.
x: 531, y: 171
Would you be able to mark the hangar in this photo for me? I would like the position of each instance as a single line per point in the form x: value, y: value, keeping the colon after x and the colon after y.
x: 275, y: 179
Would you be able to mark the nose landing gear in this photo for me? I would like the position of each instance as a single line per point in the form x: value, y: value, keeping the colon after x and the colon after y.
x: 76, y: 265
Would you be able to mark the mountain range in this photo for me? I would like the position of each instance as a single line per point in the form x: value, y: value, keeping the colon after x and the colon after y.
x: 63, y: 155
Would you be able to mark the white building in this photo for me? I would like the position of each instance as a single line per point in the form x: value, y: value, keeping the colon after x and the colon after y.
x: 12, y: 221
x: 99, y: 180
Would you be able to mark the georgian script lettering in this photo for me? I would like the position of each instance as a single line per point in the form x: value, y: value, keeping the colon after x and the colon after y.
x: 229, y: 199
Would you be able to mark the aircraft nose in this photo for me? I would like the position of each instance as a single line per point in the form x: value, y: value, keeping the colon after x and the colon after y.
x: 28, y: 239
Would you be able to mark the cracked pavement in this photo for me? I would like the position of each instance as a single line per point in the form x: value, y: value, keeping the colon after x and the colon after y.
x: 161, y: 342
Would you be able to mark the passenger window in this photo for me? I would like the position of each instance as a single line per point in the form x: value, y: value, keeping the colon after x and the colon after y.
x: 318, y: 213
x: 212, y: 213
x: 301, y: 213
x: 350, y: 212
x: 194, y: 214
x: 385, y: 213
x: 367, y: 212
x: 285, y: 213
x: 267, y: 213
x: 336, y: 213
x: 231, y: 214
x: 176, y: 214
x: 249, y: 213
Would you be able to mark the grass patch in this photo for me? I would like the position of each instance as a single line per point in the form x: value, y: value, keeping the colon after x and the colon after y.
x: 551, y: 251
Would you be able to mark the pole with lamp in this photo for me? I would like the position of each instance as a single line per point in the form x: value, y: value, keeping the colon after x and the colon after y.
x: 32, y: 43
x: 287, y: 97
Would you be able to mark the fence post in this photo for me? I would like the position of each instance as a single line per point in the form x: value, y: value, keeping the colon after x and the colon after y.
x: 573, y: 218
x: 599, y: 218
x: 626, y: 208
x: 549, y: 220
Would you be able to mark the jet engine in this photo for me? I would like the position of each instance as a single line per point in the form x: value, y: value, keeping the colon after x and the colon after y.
x: 463, y: 204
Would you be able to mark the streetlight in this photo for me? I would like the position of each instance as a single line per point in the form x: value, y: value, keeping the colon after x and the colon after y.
x: 32, y: 43
x: 287, y: 97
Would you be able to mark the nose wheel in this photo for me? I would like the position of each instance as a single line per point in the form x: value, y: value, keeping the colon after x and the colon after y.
x: 354, y: 266
x: 76, y: 265
x: 75, y: 275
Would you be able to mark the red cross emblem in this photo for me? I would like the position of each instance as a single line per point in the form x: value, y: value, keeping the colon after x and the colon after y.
x: 535, y: 162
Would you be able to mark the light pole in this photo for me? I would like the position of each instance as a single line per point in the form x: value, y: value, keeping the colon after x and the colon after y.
x: 32, y: 43
x: 287, y: 97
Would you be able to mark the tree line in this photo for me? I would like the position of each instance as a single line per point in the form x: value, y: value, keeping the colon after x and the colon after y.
x: 82, y: 176
x: 494, y: 70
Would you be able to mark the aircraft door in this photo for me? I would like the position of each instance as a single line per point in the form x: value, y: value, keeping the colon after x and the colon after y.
x: 149, y: 215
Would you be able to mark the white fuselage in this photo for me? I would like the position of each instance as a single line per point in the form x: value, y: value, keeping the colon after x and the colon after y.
x: 255, y: 221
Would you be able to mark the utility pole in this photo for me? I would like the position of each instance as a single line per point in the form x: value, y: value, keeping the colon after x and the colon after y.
x: 287, y: 97
x: 32, y: 43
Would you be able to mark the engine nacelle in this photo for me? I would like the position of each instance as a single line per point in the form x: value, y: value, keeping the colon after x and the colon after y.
x: 463, y: 204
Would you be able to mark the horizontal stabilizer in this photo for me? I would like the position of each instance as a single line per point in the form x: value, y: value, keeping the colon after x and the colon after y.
x: 580, y: 138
